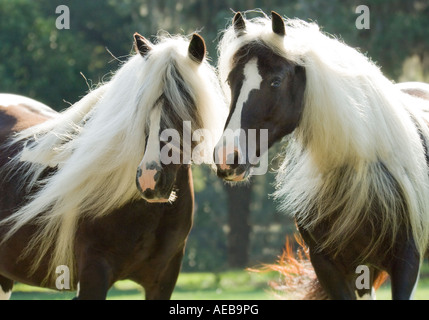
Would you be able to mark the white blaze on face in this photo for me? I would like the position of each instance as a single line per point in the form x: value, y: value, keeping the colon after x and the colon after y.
x: 252, y: 81
x: 152, y: 152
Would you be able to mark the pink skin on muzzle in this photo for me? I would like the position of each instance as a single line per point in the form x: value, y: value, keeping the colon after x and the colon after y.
x: 224, y: 158
x: 147, y: 182
x: 239, y: 178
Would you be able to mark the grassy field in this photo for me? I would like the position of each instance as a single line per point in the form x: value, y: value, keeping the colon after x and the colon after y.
x: 233, y: 285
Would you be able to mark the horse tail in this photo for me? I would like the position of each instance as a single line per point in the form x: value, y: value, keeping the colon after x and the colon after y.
x: 298, y: 280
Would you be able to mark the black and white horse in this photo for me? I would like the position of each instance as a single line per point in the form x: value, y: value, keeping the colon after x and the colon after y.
x: 355, y: 174
x: 68, y: 191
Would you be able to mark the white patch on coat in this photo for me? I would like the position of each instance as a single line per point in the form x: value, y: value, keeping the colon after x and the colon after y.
x: 5, y: 295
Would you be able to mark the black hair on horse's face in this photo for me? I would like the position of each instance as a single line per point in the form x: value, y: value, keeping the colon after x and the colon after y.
x: 267, y: 92
x: 156, y: 174
x: 278, y: 103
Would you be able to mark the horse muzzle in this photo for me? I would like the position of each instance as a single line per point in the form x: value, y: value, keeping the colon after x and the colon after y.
x: 233, y: 173
x: 154, y: 186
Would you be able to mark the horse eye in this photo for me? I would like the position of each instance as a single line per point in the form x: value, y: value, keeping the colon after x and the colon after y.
x: 276, y: 83
x: 228, y: 81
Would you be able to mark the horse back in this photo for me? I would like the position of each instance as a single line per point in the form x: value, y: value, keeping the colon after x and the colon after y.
x: 18, y: 113
x: 416, y: 89
x: 421, y: 91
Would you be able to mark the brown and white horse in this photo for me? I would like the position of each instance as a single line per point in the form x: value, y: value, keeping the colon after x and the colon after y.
x: 87, y: 191
x: 355, y: 174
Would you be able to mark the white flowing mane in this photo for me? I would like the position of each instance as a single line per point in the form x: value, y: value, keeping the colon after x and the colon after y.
x: 359, y: 142
x: 97, y: 144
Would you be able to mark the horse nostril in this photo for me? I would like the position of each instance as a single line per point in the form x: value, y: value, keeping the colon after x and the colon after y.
x: 236, y: 161
x: 149, y: 194
x: 147, y: 179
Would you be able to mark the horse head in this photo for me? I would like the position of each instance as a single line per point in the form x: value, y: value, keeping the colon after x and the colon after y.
x: 266, y: 95
x: 166, y: 148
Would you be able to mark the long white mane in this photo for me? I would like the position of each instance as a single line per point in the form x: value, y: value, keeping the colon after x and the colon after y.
x: 97, y: 144
x: 360, y: 141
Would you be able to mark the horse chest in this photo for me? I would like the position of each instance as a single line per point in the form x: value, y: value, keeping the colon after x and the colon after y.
x: 136, y: 237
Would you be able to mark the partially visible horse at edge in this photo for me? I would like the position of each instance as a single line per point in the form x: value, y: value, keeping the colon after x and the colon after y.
x: 355, y: 175
x: 86, y: 188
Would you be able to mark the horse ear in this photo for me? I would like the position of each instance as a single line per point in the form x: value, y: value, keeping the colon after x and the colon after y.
x: 278, y: 24
x: 239, y: 24
x: 197, y: 48
x: 141, y: 45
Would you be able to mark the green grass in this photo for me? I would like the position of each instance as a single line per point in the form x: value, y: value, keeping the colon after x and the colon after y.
x: 232, y: 285
x: 422, y: 291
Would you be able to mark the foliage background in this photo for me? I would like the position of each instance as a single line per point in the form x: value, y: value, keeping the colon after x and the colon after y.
x: 44, y: 63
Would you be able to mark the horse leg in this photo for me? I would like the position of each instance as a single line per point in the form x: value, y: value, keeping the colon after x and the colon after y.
x: 94, y: 279
x: 332, y: 279
x: 163, y: 285
x: 368, y: 294
x: 365, y: 294
x: 405, y: 271
x: 6, y: 286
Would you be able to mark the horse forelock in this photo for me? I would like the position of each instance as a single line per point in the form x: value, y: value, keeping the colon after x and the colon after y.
x: 178, y: 102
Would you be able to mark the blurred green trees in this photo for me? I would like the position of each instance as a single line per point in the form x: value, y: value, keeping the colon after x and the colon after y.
x: 44, y: 63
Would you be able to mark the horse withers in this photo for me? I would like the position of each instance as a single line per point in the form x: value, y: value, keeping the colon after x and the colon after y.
x: 355, y: 174
x: 87, y: 190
